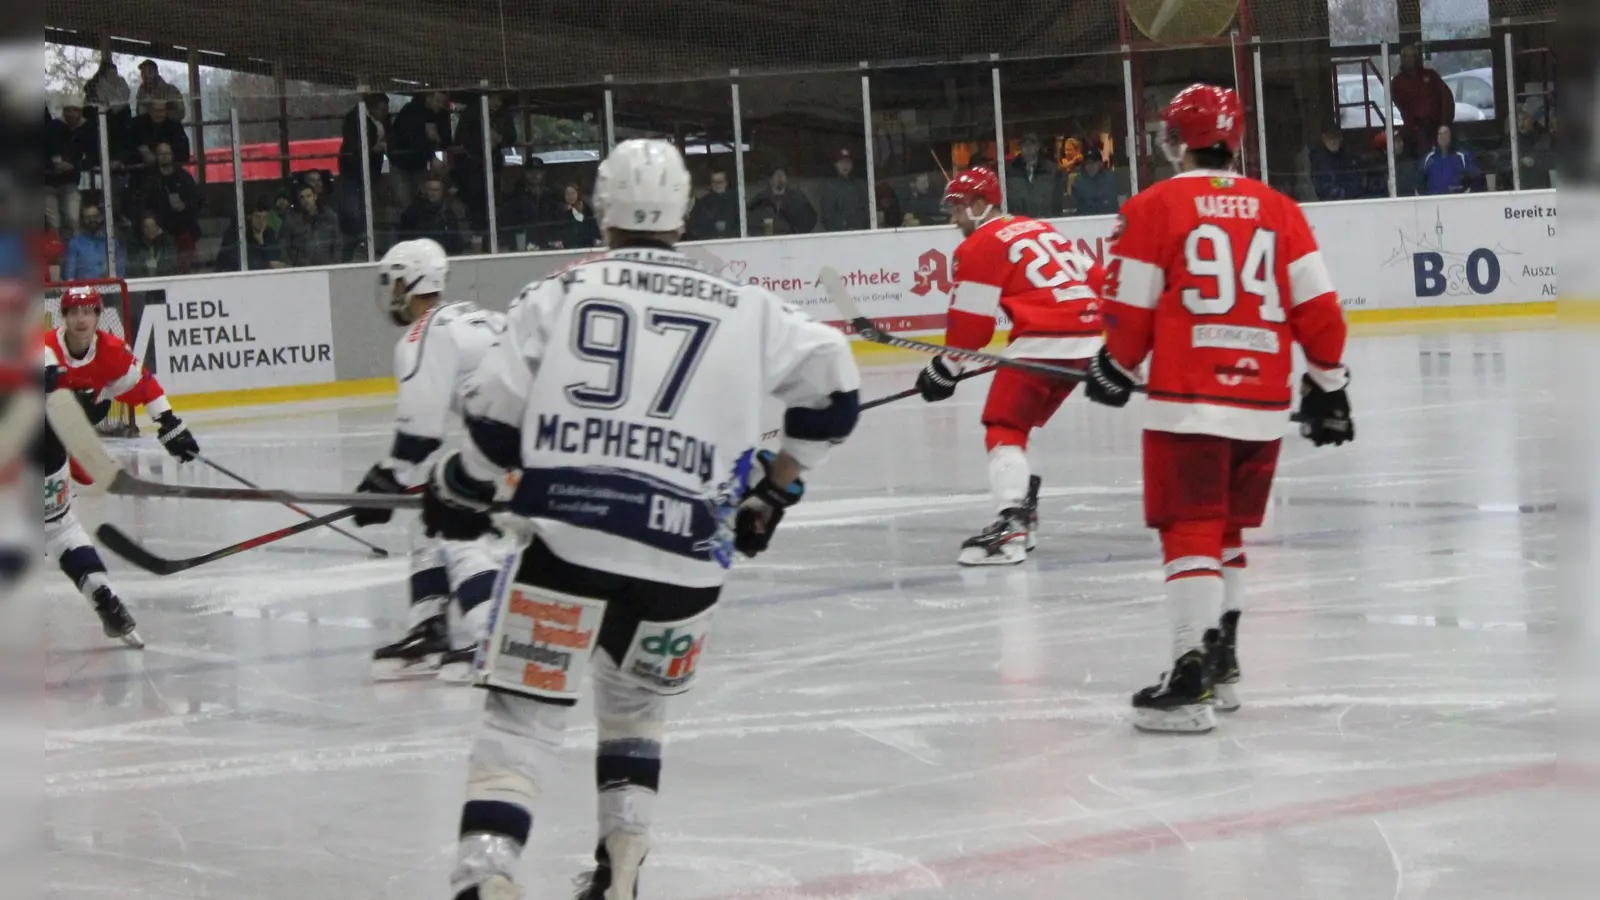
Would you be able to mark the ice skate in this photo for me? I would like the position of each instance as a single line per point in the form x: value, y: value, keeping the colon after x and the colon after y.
x: 115, y: 620
x: 1031, y: 504
x: 1004, y: 543
x: 616, y: 872
x: 1222, y: 659
x: 1180, y: 703
x: 455, y: 666
x: 417, y: 655
x: 497, y: 887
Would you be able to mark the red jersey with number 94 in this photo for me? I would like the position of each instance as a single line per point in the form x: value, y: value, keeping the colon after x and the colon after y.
x: 1030, y: 270
x: 1215, y: 276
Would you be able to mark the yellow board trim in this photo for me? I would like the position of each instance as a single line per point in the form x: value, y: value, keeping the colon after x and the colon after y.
x: 374, y: 386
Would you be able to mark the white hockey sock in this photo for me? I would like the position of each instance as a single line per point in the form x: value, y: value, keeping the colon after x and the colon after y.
x: 1008, y: 475
x: 1233, y: 566
x: 1194, y: 600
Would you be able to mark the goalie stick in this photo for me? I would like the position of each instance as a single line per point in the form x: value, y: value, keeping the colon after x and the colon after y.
x: 839, y: 293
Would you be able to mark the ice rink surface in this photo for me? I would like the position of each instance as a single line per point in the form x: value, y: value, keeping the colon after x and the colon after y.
x: 871, y: 720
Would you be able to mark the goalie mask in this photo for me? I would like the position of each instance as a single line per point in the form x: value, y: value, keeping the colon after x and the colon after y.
x: 410, y: 269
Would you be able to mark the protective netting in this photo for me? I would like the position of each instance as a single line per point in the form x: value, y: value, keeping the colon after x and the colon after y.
x: 399, y: 44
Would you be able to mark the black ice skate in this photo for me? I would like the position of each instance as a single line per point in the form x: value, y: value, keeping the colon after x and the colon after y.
x: 1222, y: 659
x: 1004, y: 543
x: 417, y: 655
x: 455, y: 666
x: 115, y: 620
x: 498, y: 887
x: 616, y: 871
x: 1181, y: 702
x: 1031, y: 504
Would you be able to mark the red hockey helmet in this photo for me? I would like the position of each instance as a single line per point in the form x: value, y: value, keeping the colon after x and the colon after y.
x: 974, y: 182
x: 84, y: 295
x: 1200, y: 117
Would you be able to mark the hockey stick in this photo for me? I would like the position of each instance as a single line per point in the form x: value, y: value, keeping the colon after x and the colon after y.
x: 83, y: 444
x: 834, y: 284
x: 376, y: 550
x: 897, y: 395
x: 119, y: 543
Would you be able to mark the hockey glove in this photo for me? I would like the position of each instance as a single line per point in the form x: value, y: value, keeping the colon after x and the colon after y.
x: 762, y: 509
x: 378, y: 481
x: 1325, y: 415
x: 455, y: 506
x: 936, y: 381
x: 50, y: 378
x: 96, y: 409
x: 176, y: 437
x: 1108, y: 383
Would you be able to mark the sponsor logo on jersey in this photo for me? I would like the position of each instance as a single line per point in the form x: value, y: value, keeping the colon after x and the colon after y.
x: 1245, y: 371
x: 667, y: 655
x: 55, y: 494
x: 933, y: 273
x: 1222, y: 183
x: 1236, y: 337
x: 549, y: 637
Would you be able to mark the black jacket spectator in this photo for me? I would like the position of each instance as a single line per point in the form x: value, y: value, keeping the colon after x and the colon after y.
x: 514, y: 212
x: 1035, y: 185
x: 377, y: 138
x: 1095, y: 189
x: 469, y: 137
x: 62, y: 142
x: 150, y: 129
x: 844, y: 199
x: 922, y: 205
x: 153, y: 252
x: 263, y: 248
x: 413, y: 143
x: 716, y: 212
x: 430, y: 216
x: 576, y: 226
x: 171, y: 195
x: 311, y: 233
x: 1336, y: 172
x: 780, y: 209
x: 547, y: 209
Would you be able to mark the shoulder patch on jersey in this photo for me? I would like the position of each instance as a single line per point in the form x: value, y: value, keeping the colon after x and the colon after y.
x: 1223, y: 182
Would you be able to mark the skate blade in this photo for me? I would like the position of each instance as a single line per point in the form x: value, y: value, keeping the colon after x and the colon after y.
x: 498, y: 887
x: 404, y: 670
x: 1008, y: 555
x: 1195, y: 719
x: 132, y: 640
x: 455, y: 673
x: 1224, y: 697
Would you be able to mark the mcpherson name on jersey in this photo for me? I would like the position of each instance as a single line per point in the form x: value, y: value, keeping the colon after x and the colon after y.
x: 593, y: 436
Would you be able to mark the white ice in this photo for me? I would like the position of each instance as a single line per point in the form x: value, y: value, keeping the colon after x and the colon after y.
x: 872, y: 721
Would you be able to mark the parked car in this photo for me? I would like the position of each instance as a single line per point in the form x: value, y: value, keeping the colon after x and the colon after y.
x: 1474, y: 88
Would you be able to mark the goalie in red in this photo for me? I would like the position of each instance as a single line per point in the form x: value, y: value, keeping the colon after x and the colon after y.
x: 99, y: 368
x: 1027, y: 268
x: 1214, y: 277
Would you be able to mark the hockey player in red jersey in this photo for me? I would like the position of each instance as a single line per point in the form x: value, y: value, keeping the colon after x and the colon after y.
x: 1214, y: 277
x: 99, y: 368
x: 1028, y: 269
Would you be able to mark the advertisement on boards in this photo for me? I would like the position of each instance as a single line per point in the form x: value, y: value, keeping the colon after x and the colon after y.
x: 200, y: 335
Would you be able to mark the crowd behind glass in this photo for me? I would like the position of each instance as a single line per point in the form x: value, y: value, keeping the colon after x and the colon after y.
x: 434, y: 174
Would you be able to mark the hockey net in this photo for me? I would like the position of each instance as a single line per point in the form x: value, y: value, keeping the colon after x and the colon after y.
x: 116, y: 317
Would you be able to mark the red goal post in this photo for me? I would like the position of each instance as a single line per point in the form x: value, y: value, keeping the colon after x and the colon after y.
x: 116, y: 317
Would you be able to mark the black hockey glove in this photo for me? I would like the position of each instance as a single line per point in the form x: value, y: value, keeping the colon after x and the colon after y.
x: 1325, y: 415
x: 176, y: 437
x: 936, y: 381
x: 50, y: 378
x: 96, y: 409
x: 1108, y: 383
x: 762, y: 509
x: 378, y: 481
x: 455, y: 506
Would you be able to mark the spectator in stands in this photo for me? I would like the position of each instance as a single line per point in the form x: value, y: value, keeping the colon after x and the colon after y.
x: 154, y: 90
x: 922, y: 205
x: 779, y: 210
x: 420, y: 132
x: 514, y: 210
x: 282, y: 205
x: 431, y: 216
x: 86, y: 252
x: 171, y: 195
x: 546, y: 204
x: 578, y: 227
x: 1424, y: 100
x: 154, y: 251
x: 1536, y: 147
x: 70, y: 148
x: 263, y: 249
x: 1095, y: 191
x: 312, y: 178
x: 153, y: 127
x: 469, y: 137
x: 890, y: 214
x: 1447, y: 170
x: 716, y: 213
x: 1035, y: 185
x: 311, y: 236
x: 1335, y: 170
x: 107, y: 91
x: 844, y: 199
x: 377, y: 139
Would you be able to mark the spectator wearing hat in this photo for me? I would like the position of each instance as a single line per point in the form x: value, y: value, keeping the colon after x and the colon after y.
x: 155, y: 90
x: 843, y: 198
x: 1035, y: 185
x: 1094, y: 188
x: 1335, y: 170
x: 780, y: 209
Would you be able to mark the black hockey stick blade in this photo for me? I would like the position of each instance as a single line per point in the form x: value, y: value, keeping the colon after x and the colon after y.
x: 113, y: 539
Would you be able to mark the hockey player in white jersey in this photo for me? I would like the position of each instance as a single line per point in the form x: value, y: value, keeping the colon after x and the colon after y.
x: 628, y: 393
x: 443, y: 343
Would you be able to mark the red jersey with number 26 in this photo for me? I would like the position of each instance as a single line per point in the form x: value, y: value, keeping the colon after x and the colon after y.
x: 1215, y: 276
x: 1030, y: 270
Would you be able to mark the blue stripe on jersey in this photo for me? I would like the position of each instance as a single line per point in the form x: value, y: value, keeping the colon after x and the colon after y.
x: 833, y: 422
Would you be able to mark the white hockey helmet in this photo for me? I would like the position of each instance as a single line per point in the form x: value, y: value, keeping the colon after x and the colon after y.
x: 642, y: 185
x: 408, y: 269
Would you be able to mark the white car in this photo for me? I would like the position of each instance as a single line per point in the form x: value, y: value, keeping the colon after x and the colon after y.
x: 1376, y: 98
